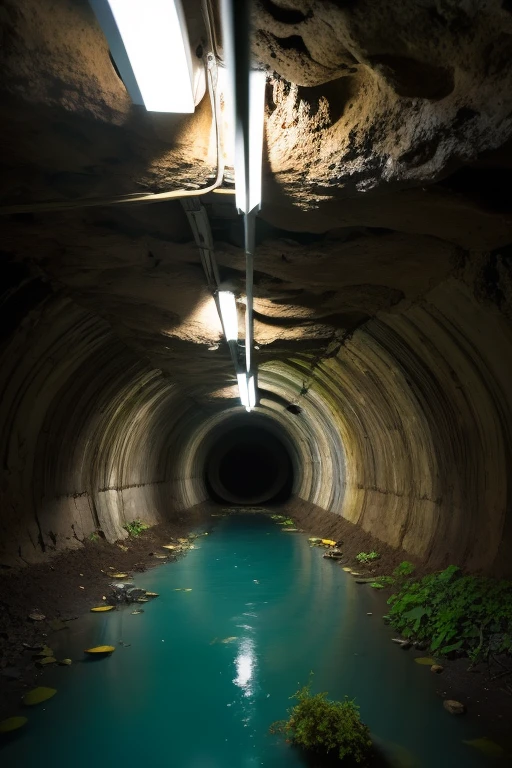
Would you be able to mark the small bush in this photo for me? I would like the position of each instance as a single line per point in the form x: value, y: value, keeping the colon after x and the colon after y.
x: 136, y: 527
x: 94, y: 536
x: 367, y: 557
x: 319, y: 725
x: 404, y: 569
x: 455, y: 613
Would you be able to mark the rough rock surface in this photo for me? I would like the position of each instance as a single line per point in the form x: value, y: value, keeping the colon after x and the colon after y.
x: 382, y: 288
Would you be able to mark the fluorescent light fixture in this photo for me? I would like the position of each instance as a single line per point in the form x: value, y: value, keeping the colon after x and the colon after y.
x: 228, y: 314
x: 248, y: 196
x: 252, y: 391
x: 149, y: 43
x: 242, y: 388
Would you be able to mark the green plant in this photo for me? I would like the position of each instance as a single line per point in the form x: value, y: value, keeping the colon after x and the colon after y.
x: 320, y: 725
x: 385, y: 581
x: 404, y: 569
x: 455, y: 613
x: 94, y: 536
x: 136, y: 527
x: 367, y: 557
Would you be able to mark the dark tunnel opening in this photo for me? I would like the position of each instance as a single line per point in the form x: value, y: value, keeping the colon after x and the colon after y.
x: 249, y: 465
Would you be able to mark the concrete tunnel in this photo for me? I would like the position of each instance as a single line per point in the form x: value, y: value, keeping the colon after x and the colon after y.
x: 382, y: 288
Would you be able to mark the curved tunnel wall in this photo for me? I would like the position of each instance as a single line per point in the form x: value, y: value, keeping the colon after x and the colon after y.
x: 405, y: 430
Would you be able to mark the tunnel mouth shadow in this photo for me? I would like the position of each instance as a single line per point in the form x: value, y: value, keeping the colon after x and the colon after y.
x: 248, y: 465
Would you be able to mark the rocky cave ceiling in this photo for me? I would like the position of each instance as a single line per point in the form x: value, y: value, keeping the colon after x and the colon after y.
x: 386, y: 178
x: 384, y: 126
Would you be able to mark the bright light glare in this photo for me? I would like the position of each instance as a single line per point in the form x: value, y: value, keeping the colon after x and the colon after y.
x: 252, y: 391
x: 229, y: 315
x: 242, y: 388
x: 245, y: 663
x: 155, y: 37
x: 257, y: 81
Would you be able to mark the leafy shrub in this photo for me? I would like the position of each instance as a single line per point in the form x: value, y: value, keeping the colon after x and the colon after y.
x: 136, y: 527
x: 320, y: 725
x: 94, y: 536
x: 367, y: 557
x: 385, y: 581
x: 404, y: 569
x: 455, y: 613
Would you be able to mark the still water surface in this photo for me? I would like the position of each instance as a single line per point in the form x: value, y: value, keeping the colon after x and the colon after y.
x: 179, y: 697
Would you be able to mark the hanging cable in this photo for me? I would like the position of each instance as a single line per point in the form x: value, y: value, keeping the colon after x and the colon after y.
x: 158, y: 197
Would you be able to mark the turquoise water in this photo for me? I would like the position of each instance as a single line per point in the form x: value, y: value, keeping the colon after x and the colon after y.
x: 178, y: 697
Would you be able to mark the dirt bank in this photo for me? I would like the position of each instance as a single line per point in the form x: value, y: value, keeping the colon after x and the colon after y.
x: 485, y: 690
x: 66, y: 587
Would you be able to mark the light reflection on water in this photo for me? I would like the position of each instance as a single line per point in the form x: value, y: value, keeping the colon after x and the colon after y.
x: 245, y: 663
x: 206, y: 672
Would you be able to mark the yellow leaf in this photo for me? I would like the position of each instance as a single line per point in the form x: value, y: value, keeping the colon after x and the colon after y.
x: 425, y: 660
x: 486, y: 746
x: 102, y: 608
x: 38, y: 695
x: 119, y: 575
x: 328, y: 542
x: 12, y: 724
x: 101, y: 649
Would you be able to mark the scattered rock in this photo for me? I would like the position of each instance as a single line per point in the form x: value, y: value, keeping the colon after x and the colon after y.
x: 420, y: 646
x: 454, y: 707
x: 36, y: 616
x: 369, y: 614
x: 31, y: 647
x: 126, y: 593
x: 65, y: 662
x: 45, y: 660
x: 437, y: 668
x: 136, y: 613
x: 135, y: 593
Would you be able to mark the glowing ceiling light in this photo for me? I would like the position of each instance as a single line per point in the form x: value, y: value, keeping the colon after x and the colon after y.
x: 248, y: 193
x: 149, y: 43
x: 252, y: 391
x: 242, y: 388
x: 228, y: 314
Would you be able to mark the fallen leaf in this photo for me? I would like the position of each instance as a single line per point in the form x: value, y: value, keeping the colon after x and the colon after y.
x: 101, y: 649
x: 12, y: 724
x: 425, y: 661
x: 486, y: 746
x: 38, y: 695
